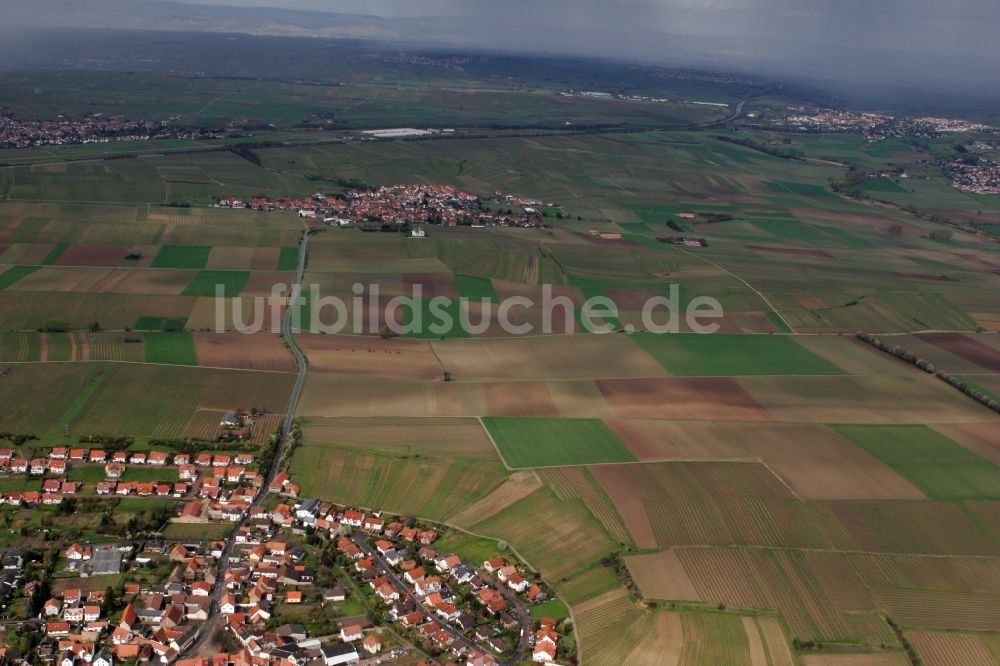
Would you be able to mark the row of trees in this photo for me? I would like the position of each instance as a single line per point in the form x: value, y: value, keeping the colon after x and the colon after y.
x: 928, y: 367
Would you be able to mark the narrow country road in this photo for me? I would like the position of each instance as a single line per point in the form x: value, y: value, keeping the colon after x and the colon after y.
x: 208, y: 629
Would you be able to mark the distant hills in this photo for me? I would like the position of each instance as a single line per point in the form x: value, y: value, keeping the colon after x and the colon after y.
x: 165, y: 15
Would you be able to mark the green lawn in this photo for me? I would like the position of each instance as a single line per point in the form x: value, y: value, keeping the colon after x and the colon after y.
x: 205, y: 282
x: 936, y: 465
x: 173, y: 348
x: 541, y: 442
x: 141, y: 473
x: 732, y: 354
x: 552, y: 608
x: 182, y: 256
x: 474, y: 549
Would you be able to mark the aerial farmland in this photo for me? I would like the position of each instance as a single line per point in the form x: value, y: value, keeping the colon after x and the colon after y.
x: 815, y: 482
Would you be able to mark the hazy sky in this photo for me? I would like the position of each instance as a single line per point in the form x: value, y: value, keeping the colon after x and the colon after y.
x: 943, y: 44
x: 944, y: 26
x: 948, y: 40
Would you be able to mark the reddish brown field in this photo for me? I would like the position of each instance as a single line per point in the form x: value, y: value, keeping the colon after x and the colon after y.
x: 262, y: 282
x: 92, y: 255
x: 696, y: 398
x: 431, y: 284
x: 661, y: 576
x: 260, y: 351
x: 652, y: 440
x: 790, y: 250
x: 630, y: 299
x: 619, y: 484
x: 966, y: 347
x: 817, y: 463
x: 519, y: 399
x: 396, y: 357
x: 264, y: 258
x: 230, y: 258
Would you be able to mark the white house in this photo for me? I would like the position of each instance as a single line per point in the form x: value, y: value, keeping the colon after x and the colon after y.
x: 351, y: 633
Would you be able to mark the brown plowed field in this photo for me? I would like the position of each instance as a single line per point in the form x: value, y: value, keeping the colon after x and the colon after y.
x: 169, y: 282
x: 968, y: 348
x: 92, y: 255
x: 696, y: 398
x: 258, y: 351
x: 519, y: 399
x: 820, y: 464
x: 431, y: 284
x: 549, y: 358
x: 947, y: 649
x: 661, y: 576
x: 862, y: 399
x: 264, y: 258
x: 50, y: 278
x: 652, y: 440
x: 346, y: 355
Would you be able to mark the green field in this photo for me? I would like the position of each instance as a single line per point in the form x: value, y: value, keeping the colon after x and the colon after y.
x: 933, y: 463
x: 182, y: 256
x: 475, y: 288
x: 723, y: 354
x: 54, y: 255
x: 430, y: 320
x: 15, y: 273
x: 205, y: 283
x: 543, y: 442
x: 172, y: 348
x: 288, y: 259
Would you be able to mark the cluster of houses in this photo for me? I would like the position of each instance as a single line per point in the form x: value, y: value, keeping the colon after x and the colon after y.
x: 393, y: 206
x: 265, y: 571
x: 978, y: 175
x: 874, y: 126
x: 157, y: 622
x: 224, y: 469
x: 77, y: 629
x: 90, y: 128
x: 451, y: 605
